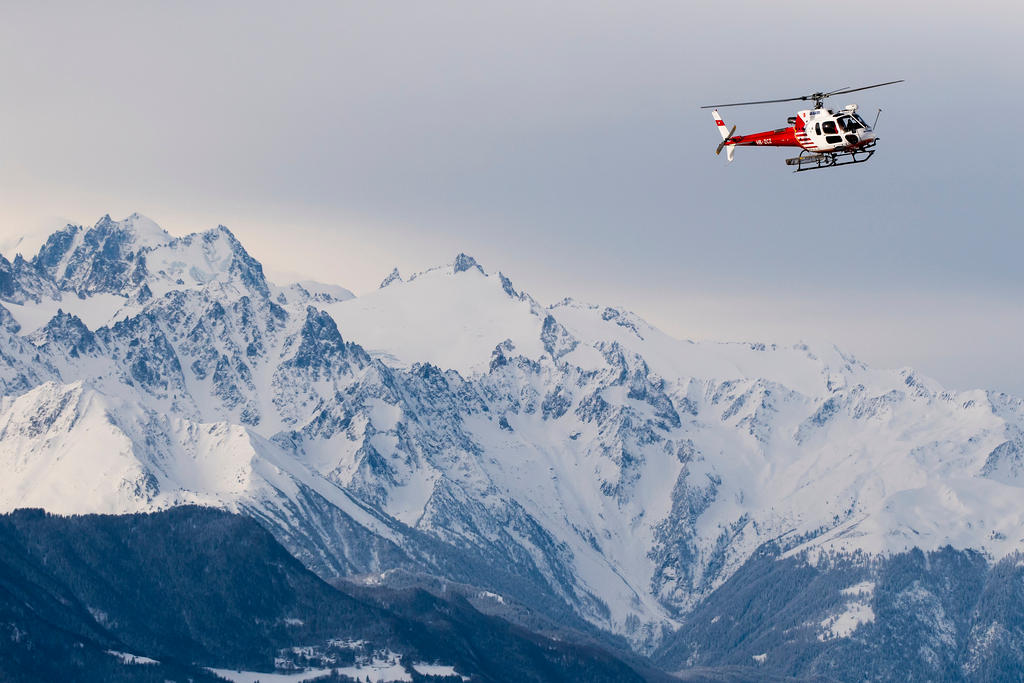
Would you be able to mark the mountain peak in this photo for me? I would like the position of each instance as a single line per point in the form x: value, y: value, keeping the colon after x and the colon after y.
x: 146, y: 232
x: 205, y: 258
x: 464, y: 262
x: 20, y: 282
x: 394, y: 276
x: 136, y: 230
x: 104, y: 258
x: 56, y: 246
x: 224, y: 230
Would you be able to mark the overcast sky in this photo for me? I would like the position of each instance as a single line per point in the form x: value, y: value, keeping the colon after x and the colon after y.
x: 561, y: 143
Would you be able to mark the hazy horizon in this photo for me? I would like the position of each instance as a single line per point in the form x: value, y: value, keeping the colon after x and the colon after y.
x: 562, y: 145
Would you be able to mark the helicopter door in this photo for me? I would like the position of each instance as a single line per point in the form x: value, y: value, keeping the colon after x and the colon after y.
x: 832, y: 135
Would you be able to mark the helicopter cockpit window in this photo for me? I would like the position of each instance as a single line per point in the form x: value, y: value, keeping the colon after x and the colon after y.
x: 829, y: 127
x: 862, y: 121
x: 849, y: 124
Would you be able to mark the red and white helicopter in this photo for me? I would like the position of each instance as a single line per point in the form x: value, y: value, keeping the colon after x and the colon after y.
x: 826, y: 138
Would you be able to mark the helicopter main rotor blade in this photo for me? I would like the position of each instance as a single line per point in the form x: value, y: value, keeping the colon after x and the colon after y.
x: 740, y: 104
x: 846, y: 90
x: 813, y: 97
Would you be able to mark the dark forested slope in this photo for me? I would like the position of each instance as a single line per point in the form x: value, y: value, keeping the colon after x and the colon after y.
x: 195, y: 586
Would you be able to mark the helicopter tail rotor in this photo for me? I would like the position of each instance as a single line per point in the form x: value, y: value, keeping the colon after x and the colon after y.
x: 724, y: 142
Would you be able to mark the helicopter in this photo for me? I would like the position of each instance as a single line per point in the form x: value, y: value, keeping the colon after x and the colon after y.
x: 827, y: 137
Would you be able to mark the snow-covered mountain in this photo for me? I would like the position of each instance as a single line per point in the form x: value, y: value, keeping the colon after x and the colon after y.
x: 570, y: 458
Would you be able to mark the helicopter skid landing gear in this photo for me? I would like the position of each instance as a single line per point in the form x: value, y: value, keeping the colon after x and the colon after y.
x: 808, y: 161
